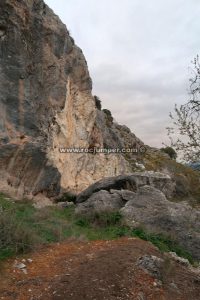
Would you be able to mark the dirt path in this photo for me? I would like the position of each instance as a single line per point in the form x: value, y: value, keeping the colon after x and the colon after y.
x: 96, y: 270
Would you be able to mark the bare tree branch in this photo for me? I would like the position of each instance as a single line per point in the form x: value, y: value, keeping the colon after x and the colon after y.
x: 185, y: 133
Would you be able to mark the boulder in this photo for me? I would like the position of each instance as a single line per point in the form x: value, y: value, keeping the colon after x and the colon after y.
x: 99, y: 202
x: 147, y: 207
x: 126, y: 195
x: 182, y: 185
x: 152, y: 265
x: 151, y: 209
x: 131, y: 182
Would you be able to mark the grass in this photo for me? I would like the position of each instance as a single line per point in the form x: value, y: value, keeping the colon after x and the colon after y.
x: 163, y: 243
x: 24, y: 228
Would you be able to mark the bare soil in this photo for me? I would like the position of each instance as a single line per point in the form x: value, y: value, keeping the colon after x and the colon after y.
x: 96, y: 270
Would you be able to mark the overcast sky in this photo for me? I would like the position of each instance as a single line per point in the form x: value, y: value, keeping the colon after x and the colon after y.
x: 138, y: 53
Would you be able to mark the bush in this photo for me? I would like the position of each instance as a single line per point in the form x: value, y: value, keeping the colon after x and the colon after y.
x: 170, y: 151
x: 97, y: 102
x: 23, y: 228
x: 109, y: 116
x: 14, y: 236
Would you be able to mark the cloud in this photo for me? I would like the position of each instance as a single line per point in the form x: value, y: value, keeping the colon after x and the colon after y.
x: 138, y: 52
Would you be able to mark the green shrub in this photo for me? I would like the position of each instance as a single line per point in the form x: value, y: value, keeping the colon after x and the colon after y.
x: 122, y: 231
x: 14, y: 236
x: 82, y: 222
x: 97, y: 102
x: 109, y: 117
x: 170, y: 151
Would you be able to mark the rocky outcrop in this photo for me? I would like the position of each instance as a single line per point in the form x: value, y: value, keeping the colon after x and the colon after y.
x: 151, y: 209
x: 146, y: 206
x: 151, y: 264
x: 131, y: 182
x: 46, y: 103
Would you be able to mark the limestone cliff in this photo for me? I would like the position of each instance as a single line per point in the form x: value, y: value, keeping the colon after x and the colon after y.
x: 46, y: 103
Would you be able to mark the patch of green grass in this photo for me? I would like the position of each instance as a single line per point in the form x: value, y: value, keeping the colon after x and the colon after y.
x: 23, y: 228
x: 6, y: 253
x: 105, y: 219
x: 103, y: 226
x: 163, y: 243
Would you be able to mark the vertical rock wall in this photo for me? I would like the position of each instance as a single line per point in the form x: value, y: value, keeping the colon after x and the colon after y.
x: 46, y: 103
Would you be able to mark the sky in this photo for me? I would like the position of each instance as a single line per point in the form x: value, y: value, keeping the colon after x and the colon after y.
x: 139, y: 55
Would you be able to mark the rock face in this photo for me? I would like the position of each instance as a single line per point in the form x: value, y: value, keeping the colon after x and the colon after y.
x: 46, y: 104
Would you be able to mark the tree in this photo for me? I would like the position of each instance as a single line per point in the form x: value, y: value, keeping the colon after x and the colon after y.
x: 170, y: 151
x: 97, y: 102
x: 185, y: 131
